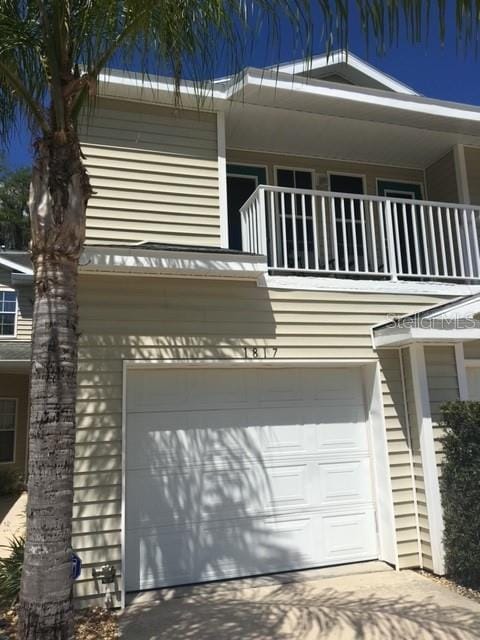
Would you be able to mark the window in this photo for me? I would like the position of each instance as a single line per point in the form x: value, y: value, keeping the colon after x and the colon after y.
x: 8, y: 312
x: 8, y: 419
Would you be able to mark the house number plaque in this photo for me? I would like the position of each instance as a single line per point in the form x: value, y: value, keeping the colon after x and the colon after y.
x: 252, y: 353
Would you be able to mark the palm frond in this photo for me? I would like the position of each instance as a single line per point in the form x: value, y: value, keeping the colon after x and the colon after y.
x: 52, y: 52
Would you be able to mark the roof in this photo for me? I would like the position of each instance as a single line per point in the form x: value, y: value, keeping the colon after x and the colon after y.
x: 18, y: 261
x: 452, y: 321
x: 342, y: 65
x: 15, y: 350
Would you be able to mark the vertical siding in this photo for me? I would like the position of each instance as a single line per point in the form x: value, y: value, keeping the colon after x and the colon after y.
x: 472, y: 161
x: 25, y: 305
x: 154, y: 171
x: 441, y: 179
x: 183, y: 318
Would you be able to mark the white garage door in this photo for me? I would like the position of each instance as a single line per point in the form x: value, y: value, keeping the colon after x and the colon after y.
x: 236, y: 472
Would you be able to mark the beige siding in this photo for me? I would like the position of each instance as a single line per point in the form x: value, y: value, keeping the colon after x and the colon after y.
x: 441, y: 179
x: 472, y: 161
x: 154, y: 171
x: 420, y: 503
x: 181, y: 318
x: 322, y: 166
x: 398, y: 437
x: 25, y: 305
x: 442, y: 384
x: 471, y: 350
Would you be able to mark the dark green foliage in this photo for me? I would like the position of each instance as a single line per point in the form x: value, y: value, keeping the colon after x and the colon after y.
x: 14, y: 218
x: 11, y: 572
x: 460, y: 488
x: 11, y: 482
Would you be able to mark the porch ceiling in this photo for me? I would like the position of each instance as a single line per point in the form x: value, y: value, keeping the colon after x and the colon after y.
x: 276, y: 129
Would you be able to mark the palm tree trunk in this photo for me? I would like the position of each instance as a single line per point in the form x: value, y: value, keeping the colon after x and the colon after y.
x: 58, y: 196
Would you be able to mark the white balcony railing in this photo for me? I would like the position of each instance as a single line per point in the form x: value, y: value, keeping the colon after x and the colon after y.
x: 305, y: 231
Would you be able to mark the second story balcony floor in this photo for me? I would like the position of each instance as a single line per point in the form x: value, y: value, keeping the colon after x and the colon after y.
x: 324, y: 233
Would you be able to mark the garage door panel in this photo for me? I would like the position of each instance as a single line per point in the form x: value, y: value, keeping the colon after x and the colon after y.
x: 246, y: 471
x: 349, y: 536
x: 246, y: 546
x: 344, y: 482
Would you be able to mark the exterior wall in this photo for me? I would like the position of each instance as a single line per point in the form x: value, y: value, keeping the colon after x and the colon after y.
x: 472, y: 162
x: 154, y: 172
x: 423, y: 551
x: 471, y: 350
x: 127, y: 317
x: 442, y: 387
x: 25, y: 306
x: 398, y: 437
x: 441, y: 179
x: 322, y: 166
x: 17, y: 386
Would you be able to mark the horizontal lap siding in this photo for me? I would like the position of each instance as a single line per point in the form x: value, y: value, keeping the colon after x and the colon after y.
x: 442, y: 387
x: 400, y: 462
x: 423, y: 555
x: 154, y: 173
x: 126, y: 318
x: 25, y: 305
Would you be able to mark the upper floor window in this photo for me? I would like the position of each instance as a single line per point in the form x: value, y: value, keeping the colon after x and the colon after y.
x: 8, y: 312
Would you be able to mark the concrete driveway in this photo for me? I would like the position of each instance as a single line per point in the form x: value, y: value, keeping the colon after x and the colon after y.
x: 367, y: 601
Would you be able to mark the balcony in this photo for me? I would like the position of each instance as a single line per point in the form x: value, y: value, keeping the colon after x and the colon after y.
x: 306, y: 232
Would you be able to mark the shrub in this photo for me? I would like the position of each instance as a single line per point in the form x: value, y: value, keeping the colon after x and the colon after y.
x: 460, y: 489
x: 11, y: 571
x: 11, y: 482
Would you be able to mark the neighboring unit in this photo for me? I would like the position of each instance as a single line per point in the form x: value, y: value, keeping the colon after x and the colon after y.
x: 15, y: 331
x: 278, y: 293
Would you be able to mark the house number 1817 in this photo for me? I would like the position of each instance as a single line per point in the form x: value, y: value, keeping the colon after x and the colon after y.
x: 260, y: 352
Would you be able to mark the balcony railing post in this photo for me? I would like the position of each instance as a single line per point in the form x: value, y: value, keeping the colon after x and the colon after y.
x: 262, y: 223
x: 245, y: 233
x: 392, y: 258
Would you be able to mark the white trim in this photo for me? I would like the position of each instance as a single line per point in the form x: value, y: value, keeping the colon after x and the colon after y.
x: 410, y: 454
x: 15, y: 430
x: 384, y: 510
x: 428, y: 455
x: 363, y: 176
x: 222, y: 179
x: 123, y: 517
x: 15, y: 266
x: 461, y: 173
x: 461, y: 371
x: 117, y: 84
x: 135, y: 261
x: 10, y: 336
x: 341, y: 56
x: 407, y: 182
x: 400, y: 337
x: 402, y: 287
x: 384, y: 497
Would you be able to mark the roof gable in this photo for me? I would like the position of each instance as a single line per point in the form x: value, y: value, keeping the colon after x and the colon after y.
x: 345, y: 68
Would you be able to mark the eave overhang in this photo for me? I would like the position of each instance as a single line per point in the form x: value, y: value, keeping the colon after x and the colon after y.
x: 194, y: 264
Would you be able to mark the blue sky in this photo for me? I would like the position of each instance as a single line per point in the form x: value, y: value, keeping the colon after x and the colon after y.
x: 446, y: 72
